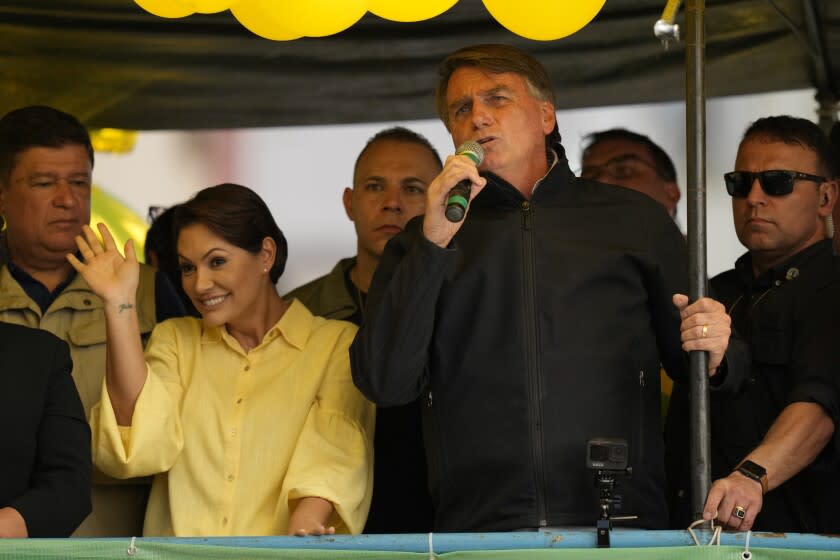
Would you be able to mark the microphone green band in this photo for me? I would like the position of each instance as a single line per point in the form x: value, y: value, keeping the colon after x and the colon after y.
x: 459, y: 200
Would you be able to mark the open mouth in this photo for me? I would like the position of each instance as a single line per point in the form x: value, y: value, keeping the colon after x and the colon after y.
x: 214, y: 301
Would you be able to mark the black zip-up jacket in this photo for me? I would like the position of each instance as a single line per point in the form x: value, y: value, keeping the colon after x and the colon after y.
x: 541, y: 326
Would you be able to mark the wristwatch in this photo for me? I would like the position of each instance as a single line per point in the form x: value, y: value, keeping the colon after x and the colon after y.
x: 755, y: 472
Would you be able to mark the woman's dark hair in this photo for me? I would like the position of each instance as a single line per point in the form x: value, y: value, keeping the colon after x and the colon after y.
x: 161, y: 251
x: 239, y: 216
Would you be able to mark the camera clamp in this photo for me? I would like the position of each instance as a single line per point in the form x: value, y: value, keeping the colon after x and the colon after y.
x: 606, y: 482
x: 608, y: 457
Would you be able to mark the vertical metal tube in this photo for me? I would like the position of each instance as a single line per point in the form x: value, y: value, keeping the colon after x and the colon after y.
x: 827, y: 95
x: 695, y: 109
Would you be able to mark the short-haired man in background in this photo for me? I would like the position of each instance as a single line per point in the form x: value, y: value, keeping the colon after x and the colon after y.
x: 621, y: 157
x: 390, y: 179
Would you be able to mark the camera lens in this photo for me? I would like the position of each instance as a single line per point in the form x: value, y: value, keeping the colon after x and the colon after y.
x: 599, y: 453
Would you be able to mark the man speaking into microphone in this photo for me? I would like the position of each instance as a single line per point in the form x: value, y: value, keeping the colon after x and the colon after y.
x: 535, y: 323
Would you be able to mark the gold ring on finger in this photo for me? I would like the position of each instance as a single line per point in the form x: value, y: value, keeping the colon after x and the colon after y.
x: 705, y: 331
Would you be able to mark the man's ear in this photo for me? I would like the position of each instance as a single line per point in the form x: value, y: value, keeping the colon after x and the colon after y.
x: 672, y: 191
x: 549, y: 117
x: 347, y: 199
x: 828, y: 198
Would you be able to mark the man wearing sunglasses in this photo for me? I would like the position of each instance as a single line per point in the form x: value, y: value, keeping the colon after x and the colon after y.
x: 628, y: 159
x: 773, y: 437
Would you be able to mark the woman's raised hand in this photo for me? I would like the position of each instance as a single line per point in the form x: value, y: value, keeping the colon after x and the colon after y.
x: 111, y: 276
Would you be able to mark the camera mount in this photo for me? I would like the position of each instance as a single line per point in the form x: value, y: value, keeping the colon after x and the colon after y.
x: 608, y: 457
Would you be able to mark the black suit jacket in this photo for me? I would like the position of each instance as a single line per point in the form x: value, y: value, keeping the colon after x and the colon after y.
x: 45, y: 458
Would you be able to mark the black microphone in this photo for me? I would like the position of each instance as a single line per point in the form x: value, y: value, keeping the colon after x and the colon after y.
x: 459, y: 195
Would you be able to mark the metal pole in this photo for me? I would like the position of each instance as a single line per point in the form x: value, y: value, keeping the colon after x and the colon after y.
x: 826, y: 90
x: 695, y: 110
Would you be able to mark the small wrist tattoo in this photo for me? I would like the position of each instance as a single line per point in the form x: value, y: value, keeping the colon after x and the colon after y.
x: 124, y: 307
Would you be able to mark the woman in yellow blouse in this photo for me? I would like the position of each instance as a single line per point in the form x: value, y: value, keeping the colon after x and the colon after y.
x: 248, y: 416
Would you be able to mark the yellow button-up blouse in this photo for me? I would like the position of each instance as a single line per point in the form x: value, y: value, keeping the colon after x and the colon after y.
x: 235, y: 438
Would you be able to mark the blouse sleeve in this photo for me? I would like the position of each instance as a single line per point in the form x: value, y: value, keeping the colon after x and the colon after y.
x: 333, y: 458
x: 153, y: 441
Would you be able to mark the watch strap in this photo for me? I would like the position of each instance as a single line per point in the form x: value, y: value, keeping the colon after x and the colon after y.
x: 755, y: 472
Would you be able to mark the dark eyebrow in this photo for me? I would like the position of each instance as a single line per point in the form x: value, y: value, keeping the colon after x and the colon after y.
x: 495, y: 90
x: 372, y: 178
x: 486, y: 93
x: 204, y: 256
x: 207, y: 254
x: 53, y: 175
x: 632, y: 157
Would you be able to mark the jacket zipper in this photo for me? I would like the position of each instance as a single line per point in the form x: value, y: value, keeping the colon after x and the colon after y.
x: 532, y: 357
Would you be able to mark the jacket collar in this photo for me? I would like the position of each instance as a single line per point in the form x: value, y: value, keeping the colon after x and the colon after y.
x: 499, y: 192
x: 786, y: 271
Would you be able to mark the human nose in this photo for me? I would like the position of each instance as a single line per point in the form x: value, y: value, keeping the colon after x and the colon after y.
x: 202, y: 280
x: 65, y: 197
x: 481, y: 115
x: 756, y: 195
x: 392, y: 199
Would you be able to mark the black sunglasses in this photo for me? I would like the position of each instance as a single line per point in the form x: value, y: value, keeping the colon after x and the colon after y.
x: 775, y: 182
